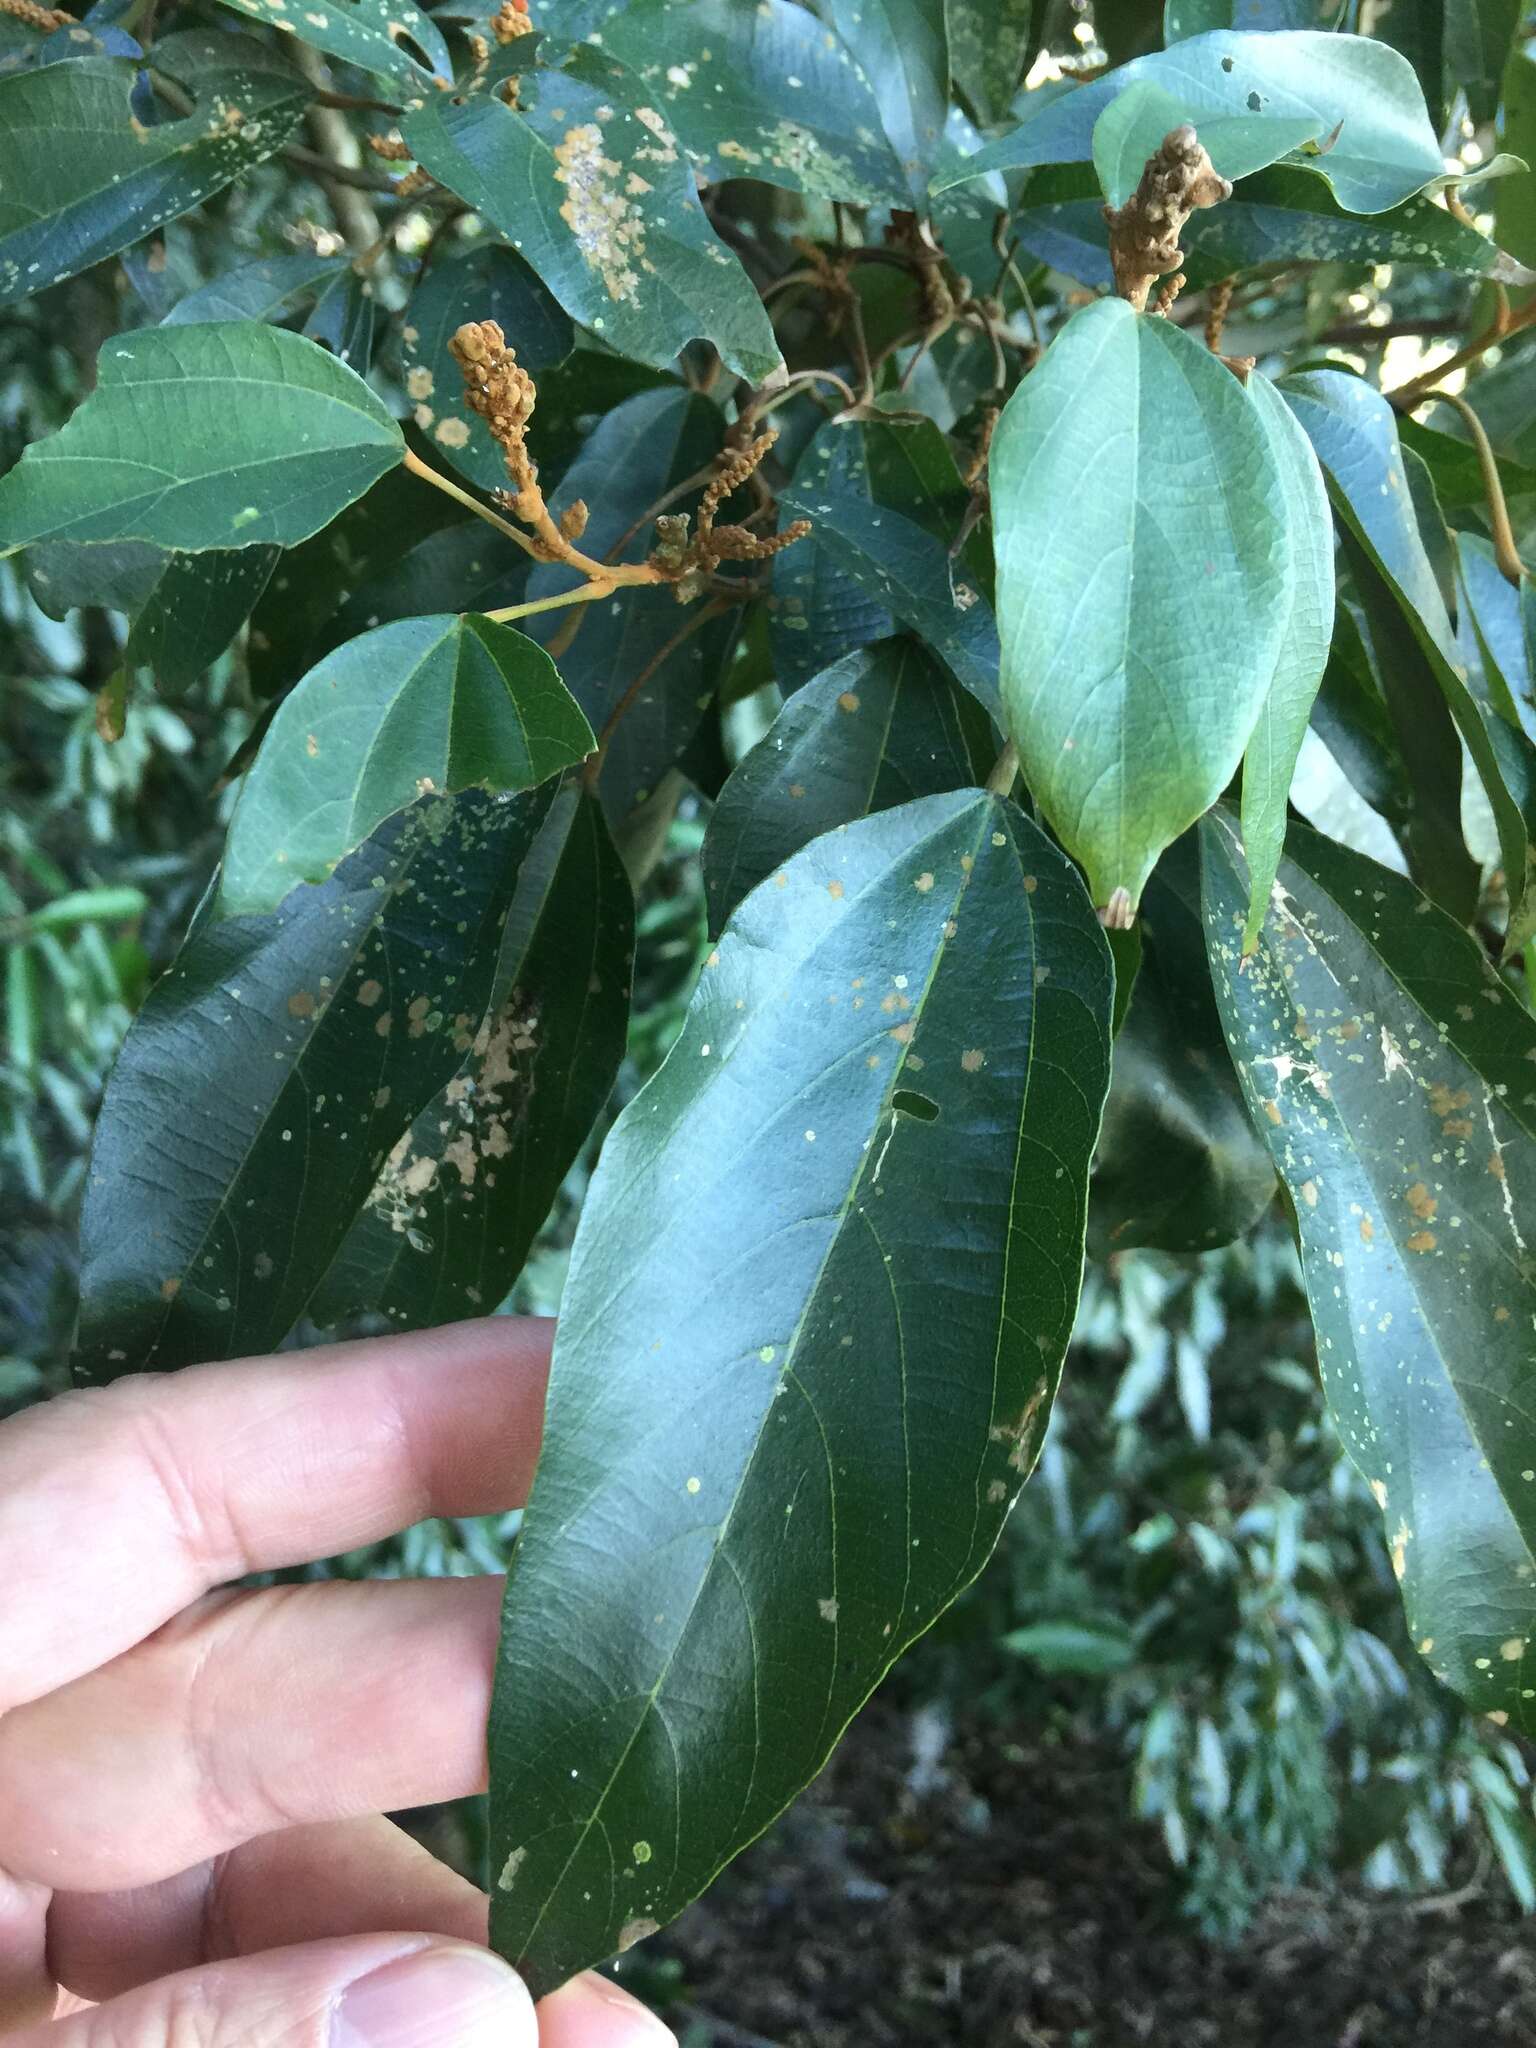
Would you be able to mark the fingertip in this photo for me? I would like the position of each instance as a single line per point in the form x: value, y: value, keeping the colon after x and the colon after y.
x: 591, y: 2012
x: 445, y: 1995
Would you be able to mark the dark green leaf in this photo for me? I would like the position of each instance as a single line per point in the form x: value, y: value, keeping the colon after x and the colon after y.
x: 1491, y: 632
x: 204, y: 437
x: 895, y: 542
x: 1386, y: 148
x: 1269, y: 763
x: 806, y: 1352
x: 821, y: 611
x: 465, y: 568
x: 902, y: 48
x: 1394, y: 1079
x: 587, y: 181
x: 1478, y: 35
x: 1514, y: 204
x: 488, y: 282
x: 755, y: 89
x: 991, y: 45
x: 197, y: 606
x: 342, y: 320
x: 1183, y: 18
x: 375, y: 35
x: 1354, y: 432
x: 262, y: 290
x: 424, y: 707
x: 1178, y: 1165
x: 270, y: 1073
x: 80, y: 179
x: 876, y: 729
x: 642, y: 451
x: 448, y: 1225
x: 1129, y: 695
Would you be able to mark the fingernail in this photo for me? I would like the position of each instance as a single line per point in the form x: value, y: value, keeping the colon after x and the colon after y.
x: 590, y: 2009
x: 440, y: 1997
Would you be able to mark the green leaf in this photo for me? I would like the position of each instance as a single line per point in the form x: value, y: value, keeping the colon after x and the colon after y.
x: 1386, y: 148
x: 1128, y: 692
x: 1393, y: 1078
x: 815, y: 1313
x: 197, y: 606
x: 878, y: 728
x: 204, y: 437
x: 427, y: 706
x: 343, y: 320
x: 488, y: 282
x: 756, y: 89
x: 1178, y: 1166
x: 1087, y: 1649
x: 311, y: 1038
x: 1269, y: 763
x: 895, y: 542
x: 820, y: 611
x: 1478, y: 35
x: 80, y: 178
x: 588, y: 183
x: 1182, y: 18
x: 902, y: 47
x: 1514, y: 205
x: 1354, y: 430
x: 991, y: 46
x: 263, y: 290
x: 643, y: 450
x: 450, y: 1220
x: 375, y: 35
x: 1491, y: 632
x: 1133, y: 125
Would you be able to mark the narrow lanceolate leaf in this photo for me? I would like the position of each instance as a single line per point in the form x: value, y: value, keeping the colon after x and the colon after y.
x: 754, y: 89
x: 877, y: 729
x: 587, y: 181
x: 903, y: 48
x: 426, y: 706
x: 1386, y: 148
x: 228, y: 435
x: 816, y: 1309
x: 309, y: 1039
x: 1270, y: 761
x: 391, y: 38
x: 1394, y: 1079
x: 450, y: 1220
x: 1129, y: 694
x: 81, y: 179
x: 1354, y: 431
x: 1179, y: 1166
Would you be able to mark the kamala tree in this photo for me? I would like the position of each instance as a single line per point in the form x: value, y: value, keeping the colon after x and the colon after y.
x: 1008, y: 465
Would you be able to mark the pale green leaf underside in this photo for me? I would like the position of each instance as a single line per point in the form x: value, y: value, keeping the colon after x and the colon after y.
x: 1135, y: 122
x: 1394, y: 1080
x: 212, y: 436
x: 806, y: 1350
x: 1386, y: 149
x: 79, y: 180
x: 1129, y: 693
x: 1270, y: 760
x: 425, y: 706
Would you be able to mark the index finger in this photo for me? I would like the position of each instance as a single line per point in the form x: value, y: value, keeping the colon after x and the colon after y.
x: 120, y: 1505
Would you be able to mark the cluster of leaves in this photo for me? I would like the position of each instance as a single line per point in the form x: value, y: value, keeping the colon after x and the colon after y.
x: 1044, y: 581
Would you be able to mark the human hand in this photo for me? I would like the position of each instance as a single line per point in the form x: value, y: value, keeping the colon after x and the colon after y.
x: 192, y: 1781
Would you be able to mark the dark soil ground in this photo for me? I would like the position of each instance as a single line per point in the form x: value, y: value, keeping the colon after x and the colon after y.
x: 1010, y: 1904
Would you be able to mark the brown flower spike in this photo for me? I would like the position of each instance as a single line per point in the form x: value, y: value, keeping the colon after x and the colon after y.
x: 1144, y: 233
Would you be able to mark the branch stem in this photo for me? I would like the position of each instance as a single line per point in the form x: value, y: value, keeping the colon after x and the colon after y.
x: 450, y: 489
x: 1506, y: 554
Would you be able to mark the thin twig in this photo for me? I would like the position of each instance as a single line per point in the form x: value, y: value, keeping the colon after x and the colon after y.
x: 322, y: 168
x: 585, y: 593
x: 1506, y: 554
x: 1408, y: 395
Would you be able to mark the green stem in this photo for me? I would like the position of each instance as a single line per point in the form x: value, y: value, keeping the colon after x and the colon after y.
x: 1005, y: 771
x: 582, y: 595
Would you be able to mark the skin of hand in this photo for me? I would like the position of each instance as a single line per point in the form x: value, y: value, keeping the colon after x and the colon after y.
x: 193, y: 1852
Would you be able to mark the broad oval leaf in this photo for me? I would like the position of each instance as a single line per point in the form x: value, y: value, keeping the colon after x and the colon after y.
x: 227, y: 435
x: 1393, y: 1078
x: 1386, y: 148
x: 752, y: 89
x: 450, y: 1220
x: 816, y: 1308
x: 903, y: 48
x: 1133, y: 125
x: 1129, y: 695
x: 1269, y: 764
x: 375, y: 35
x: 269, y: 1074
x: 587, y: 181
x: 262, y: 290
x: 877, y: 729
x: 81, y: 179
x: 423, y: 707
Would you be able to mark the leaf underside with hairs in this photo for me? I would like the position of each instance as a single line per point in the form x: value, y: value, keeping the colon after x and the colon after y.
x: 816, y: 1308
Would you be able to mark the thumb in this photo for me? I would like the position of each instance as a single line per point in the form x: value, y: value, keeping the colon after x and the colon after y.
x: 370, y: 1991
